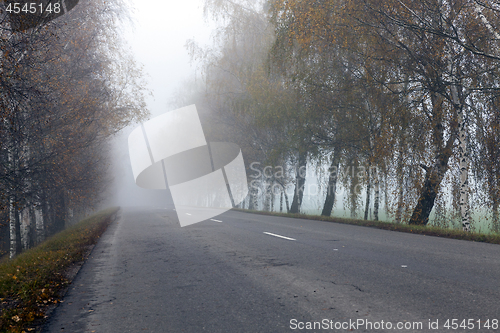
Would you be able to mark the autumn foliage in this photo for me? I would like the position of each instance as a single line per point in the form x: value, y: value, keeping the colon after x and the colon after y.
x: 406, y: 88
x: 66, y: 86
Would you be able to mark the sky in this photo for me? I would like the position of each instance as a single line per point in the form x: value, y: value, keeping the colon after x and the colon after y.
x: 157, y: 39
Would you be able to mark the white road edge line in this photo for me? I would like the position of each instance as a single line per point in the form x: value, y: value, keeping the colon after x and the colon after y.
x: 215, y: 220
x: 268, y: 233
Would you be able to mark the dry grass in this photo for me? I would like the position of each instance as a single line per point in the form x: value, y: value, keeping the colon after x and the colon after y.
x: 32, y: 282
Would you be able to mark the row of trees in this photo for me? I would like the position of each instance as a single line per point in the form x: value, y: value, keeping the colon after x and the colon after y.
x: 405, y: 90
x: 66, y: 86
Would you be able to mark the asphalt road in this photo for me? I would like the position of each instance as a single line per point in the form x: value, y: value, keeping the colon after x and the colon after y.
x: 147, y: 274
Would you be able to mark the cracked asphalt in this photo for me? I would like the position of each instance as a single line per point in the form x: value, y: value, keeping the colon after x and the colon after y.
x: 254, y: 273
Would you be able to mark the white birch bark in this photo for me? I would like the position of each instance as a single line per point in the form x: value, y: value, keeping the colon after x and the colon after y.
x: 463, y: 159
x: 281, y: 201
x: 24, y: 224
x: 13, y: 216
x: 272, y: 196
x: 464, y: 172
x: 40, y: 230
x: 402, y: 181
x: 353, y: 199
x: 376, y: 199
x: 462, y: 137
x: 266, y: 198
x: 479, y: 11
x: 368, y: 192
x: 399, y: 209
x: 252, y: 202
x: 287, y: 203
x: 12, y: 228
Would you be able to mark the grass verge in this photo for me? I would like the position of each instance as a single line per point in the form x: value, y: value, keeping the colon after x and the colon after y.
x: 414, y: 229
x: 32, y: 283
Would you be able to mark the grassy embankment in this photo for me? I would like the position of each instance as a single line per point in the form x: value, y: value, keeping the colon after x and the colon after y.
x: 423, y: 230
x: 32, y: 283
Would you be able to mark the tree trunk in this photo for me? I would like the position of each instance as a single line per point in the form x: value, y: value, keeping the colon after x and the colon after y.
x: 386, y: 195
x: 46, y: 217
x: 332, y: 185
x: 24, y: 222
x: 464, y: 172
x: 300, y: 179
x: 353, y: 199
x: 399, y: 175
x: 433, y: 178
x: 495, y: 223
x: 15, y: 229
x: 252, y: 200
x: 272, y: 197
x: 281, y: 202
x: 376, y: 199
x: 434, y: 174
x: 286, y: 202
x: 368, y: 192
x: 399, y: 209
x: 40, y: 230
x: 12, y: 227
x: 463, y: 158
x: 267, y: 196
x: 59, y: 212
x: 32, y: 221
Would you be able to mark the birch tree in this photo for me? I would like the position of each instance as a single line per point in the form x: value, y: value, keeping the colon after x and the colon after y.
x: 63, y: 93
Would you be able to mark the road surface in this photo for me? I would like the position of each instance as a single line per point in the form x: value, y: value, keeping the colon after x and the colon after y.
x: 242, y: 272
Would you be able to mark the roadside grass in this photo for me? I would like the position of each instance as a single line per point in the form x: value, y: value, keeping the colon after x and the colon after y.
x: 414, y: 229
x: 32, y: 282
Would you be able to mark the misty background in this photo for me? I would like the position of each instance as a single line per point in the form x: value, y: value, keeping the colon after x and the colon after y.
x: 157, y: 39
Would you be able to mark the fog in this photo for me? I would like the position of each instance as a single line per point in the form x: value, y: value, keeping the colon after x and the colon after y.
x: 157, y: 37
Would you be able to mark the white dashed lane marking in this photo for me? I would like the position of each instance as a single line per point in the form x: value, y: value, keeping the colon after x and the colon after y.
x: 270, y: 234
x: 215, y: 220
